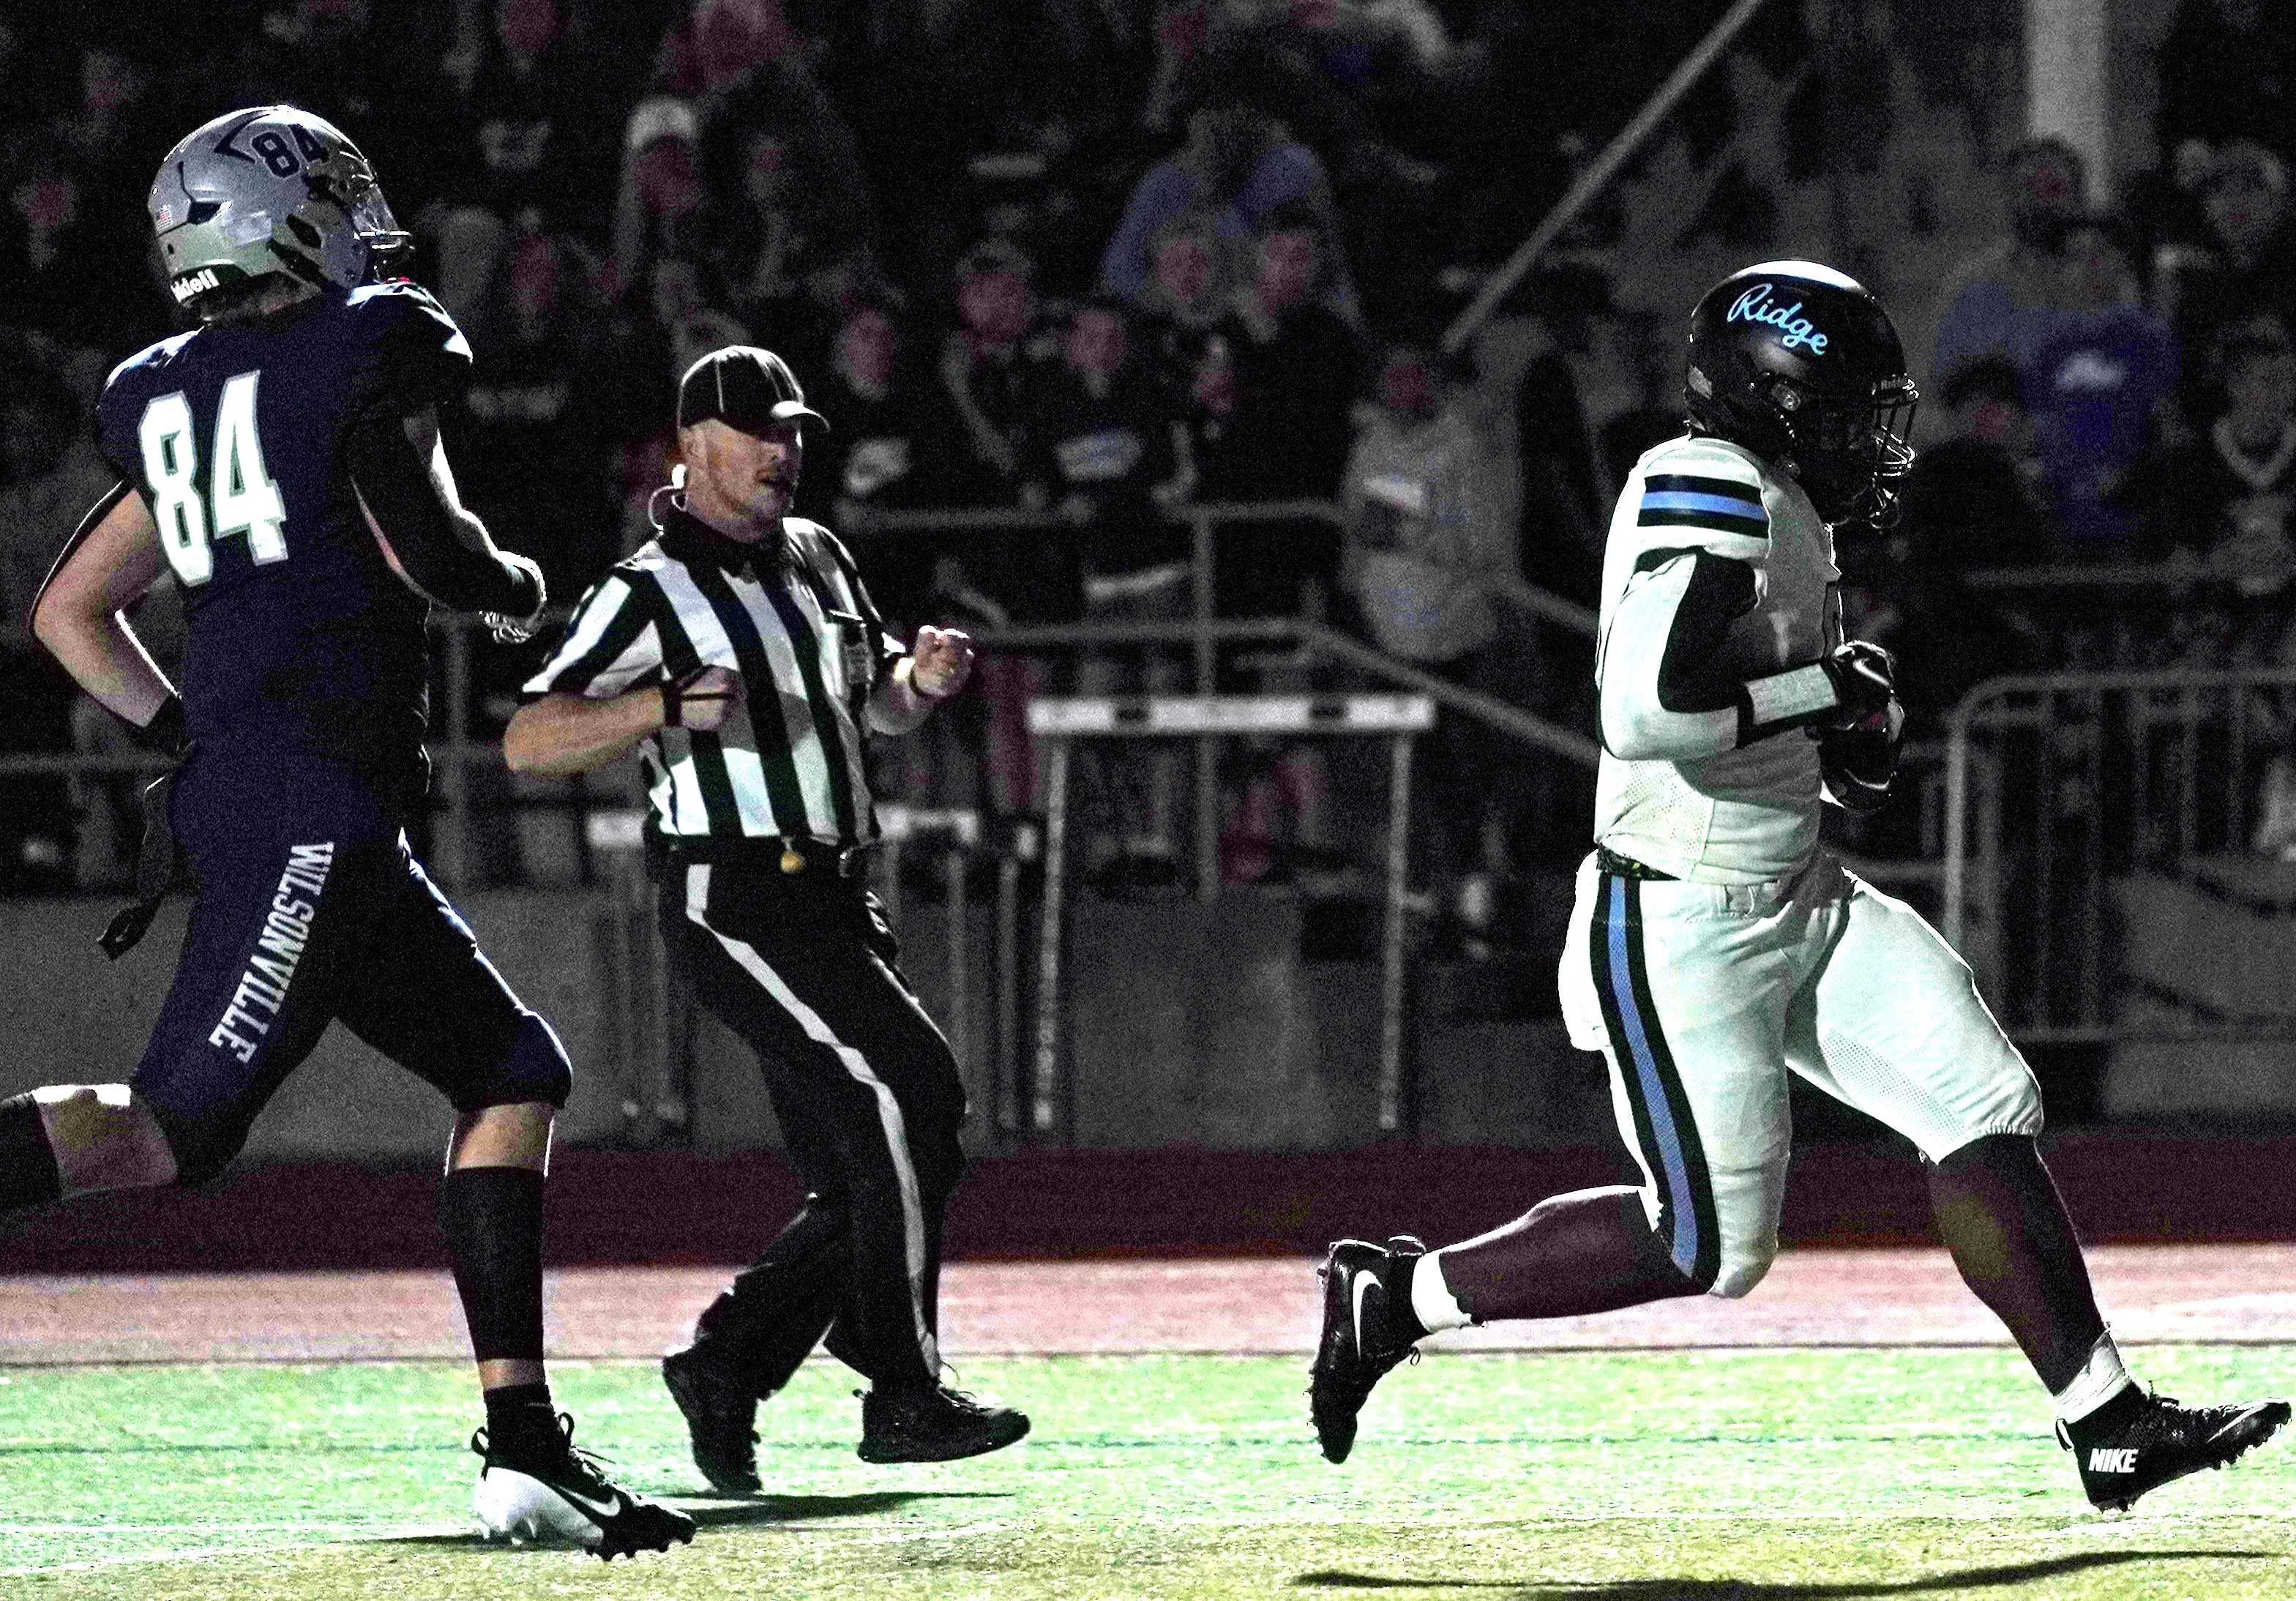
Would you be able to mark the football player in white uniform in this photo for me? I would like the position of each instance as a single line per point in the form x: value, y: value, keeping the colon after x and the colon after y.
x: 1717, y: 946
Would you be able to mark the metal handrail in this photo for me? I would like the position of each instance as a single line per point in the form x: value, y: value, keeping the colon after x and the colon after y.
x: 1486, y: 709
x: 1597, y: 177
x: 2113, y: 575
x: 1209, y: 514
x: 452, y: 753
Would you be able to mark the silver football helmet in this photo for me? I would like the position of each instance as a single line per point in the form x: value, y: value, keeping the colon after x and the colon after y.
x: 264, y: 191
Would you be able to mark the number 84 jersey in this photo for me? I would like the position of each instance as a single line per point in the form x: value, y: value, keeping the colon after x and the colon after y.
x: 298, y: 634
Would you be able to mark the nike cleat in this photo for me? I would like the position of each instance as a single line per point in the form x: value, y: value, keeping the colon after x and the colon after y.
x: 1368, y: 1330
x: 938, y: 1424
x: 551, y: 1493
x: 2138, y: 1442
x: 722, y: 1419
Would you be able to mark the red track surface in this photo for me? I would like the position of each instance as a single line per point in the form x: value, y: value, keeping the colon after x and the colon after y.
x: 617, y: 1209
x: 1813, y: 1297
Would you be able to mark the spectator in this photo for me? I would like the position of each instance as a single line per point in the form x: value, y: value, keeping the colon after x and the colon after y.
x: 2227, y: 72
x: 532, y: 429
x: 655, y: 336
x: 965, y: 87
x: 50, y: 471
x: 1430, y: 500
x: 1238, y: 165
x: 789, y: 241
x: 2097, y: 384
x: 2240, y: 274
x: 78, y: 298
x: 985, y: 361
x: 1566, y: 493
x: 1976, y: 499
x: 2224, y: 499
x: 373, y: 71
x: 658, y: 203
x: 1105, y: 449
x: 988, y: 364
x: 2008, y: 301
x: 530, y: 158
x: 883, y: 450
x: 1272, y: 420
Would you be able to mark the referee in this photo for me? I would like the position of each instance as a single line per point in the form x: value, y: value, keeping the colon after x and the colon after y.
x: 740, y: 656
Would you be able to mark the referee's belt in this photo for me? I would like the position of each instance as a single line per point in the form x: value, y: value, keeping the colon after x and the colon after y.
x: 763, y: 853
x: 1626, y: 867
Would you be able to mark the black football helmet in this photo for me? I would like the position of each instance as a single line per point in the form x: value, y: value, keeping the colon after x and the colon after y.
x: 1800, y: 365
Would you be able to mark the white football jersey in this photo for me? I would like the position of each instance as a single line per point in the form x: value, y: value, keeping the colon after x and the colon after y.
x: 1742, y: 816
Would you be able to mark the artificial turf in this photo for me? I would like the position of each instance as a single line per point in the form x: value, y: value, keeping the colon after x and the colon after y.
x: 1647, y: 1475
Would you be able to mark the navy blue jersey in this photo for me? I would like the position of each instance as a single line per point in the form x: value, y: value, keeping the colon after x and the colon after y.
x: 300, y: 639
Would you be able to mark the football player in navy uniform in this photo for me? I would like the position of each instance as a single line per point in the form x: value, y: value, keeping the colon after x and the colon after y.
x: 282, y: 461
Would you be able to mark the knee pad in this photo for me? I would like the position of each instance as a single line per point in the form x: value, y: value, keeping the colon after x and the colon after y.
x: 532, y: 1067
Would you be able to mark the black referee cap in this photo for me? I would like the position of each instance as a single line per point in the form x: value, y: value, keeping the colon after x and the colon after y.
x: 745, y: 387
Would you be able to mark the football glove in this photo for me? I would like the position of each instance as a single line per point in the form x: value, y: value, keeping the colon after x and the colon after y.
x: 1864, y: 678
x: 506, y: 628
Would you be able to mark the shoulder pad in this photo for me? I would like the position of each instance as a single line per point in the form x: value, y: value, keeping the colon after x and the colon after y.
x: 416, y: 355
x: 150, y: 354
x: 1700, y: 483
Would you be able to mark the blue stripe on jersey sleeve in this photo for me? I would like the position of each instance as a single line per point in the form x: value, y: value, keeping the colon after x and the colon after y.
x: 1695, y: 500
x: 1677, y: 500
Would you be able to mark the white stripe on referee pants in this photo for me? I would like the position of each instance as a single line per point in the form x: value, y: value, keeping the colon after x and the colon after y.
x: 888, y: 1109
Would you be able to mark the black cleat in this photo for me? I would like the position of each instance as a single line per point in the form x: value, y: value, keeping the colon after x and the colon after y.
x: 1368, y: 1330
x: 2138, y: 1442
x: 722, y: 1419
x: 938, y: 1424
x: 551, y: 1493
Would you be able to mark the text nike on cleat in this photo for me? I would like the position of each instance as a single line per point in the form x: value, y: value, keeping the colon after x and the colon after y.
x: 2138, y: 1442
x: 546, y: 1489
x: 1366, y: 1301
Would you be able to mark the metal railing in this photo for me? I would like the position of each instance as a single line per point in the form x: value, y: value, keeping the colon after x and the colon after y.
x: 454, y: 754
x: 2067, y: 796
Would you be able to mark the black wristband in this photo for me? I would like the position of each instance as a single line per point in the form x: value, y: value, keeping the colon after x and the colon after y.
x: 674, y: 696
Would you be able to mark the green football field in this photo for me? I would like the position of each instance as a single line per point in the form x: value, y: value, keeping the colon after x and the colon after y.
x: 1824, y: 1472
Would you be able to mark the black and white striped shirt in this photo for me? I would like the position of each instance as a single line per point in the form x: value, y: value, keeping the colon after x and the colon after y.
x: 796, y: 623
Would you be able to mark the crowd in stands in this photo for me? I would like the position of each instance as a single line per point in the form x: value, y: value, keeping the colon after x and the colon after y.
x: 1098, y: 258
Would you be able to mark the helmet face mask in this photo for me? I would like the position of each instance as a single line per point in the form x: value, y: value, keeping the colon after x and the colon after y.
x: 264, y: 192
x: 1799, y: 364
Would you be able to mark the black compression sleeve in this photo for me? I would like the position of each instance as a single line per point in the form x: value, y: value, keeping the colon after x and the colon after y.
x: 1692, y: 675
x: 426, y: 533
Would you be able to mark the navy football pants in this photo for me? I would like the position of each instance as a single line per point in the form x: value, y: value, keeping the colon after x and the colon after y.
x: 292, y: 930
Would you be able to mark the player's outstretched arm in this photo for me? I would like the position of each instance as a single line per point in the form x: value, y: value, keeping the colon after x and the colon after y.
x: 435, y: 545
x: 565, y: 732
x: 112, y: 559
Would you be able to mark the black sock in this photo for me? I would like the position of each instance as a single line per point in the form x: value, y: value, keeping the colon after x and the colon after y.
x: 519, y: 1414
x: 27, y: 1163
x: 492, y: 1218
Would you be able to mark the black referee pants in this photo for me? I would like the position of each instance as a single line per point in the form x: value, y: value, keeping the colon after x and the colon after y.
x: 801, y: 965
